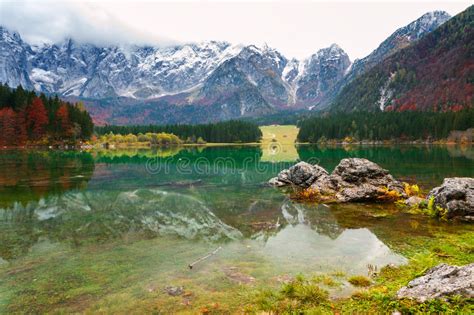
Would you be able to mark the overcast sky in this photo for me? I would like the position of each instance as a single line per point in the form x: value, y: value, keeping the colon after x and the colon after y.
x: 296, y: 28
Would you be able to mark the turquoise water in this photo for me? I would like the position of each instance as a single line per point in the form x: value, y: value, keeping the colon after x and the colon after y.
x: 112, y: 223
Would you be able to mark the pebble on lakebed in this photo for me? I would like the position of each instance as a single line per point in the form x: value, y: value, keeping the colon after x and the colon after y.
x: 174, y: 291
x: 361, y: 180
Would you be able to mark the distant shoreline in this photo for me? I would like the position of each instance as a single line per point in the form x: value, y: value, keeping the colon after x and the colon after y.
x: 209, y: 145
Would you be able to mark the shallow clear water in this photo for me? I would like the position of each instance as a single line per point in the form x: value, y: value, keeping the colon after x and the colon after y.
x: 80, y: 230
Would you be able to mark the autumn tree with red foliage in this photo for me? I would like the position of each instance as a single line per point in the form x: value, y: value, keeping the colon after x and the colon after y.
x: 37, y: 119
x: 7, y: 126
x: 20, y: 129
x: 26, y: 118
x: 63, y: 123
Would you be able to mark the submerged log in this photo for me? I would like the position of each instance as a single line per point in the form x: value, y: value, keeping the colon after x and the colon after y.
x: 191, y: 265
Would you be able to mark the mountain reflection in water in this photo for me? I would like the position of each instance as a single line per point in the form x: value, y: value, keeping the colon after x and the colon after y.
x: 305, y: 234
x: 77, y: 198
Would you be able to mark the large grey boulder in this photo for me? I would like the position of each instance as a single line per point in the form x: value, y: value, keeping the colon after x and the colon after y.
x: 357, y: 179
x: 362, y: 192
x: 301, y: 174
x: 357, y: 170
x: 274, y: 181
x: 440, y: 282
x: 304, y: 174
x: 353, y: 180
x: 456, y: 195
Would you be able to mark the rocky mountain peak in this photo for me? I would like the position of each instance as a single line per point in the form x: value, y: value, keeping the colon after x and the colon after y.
x: 404, y: 36
x: 332, y: 52
x: 427, y: 22
x: 319, y: 73
x: 401, y: 38
x: 9, y: 36
x: 240, y: 80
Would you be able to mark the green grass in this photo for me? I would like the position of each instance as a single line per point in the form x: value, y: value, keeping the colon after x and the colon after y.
x: 278, y: 143
x: 360, y: 281
x: 296, y: 296
x: 455, y: 249
x: 326, y: 280
x: 380, y: 298
x: 283, y: 134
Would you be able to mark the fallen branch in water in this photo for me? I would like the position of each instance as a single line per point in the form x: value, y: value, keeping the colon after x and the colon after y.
x: 191, y: 265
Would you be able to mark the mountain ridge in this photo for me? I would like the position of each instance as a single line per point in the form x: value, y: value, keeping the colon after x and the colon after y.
x: 397, y: 40
x: 433, y: 73
x: 217, y: 79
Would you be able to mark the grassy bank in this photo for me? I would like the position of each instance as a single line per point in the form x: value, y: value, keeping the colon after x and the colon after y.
x: 283, y: 134
x: 307, y: 294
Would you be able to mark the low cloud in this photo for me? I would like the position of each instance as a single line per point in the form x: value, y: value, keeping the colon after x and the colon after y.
x: 52, y: 22
x: 296, y: 28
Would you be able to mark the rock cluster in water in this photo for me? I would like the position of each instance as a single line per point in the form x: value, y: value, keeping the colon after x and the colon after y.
x: 439, y: 282
x: 353, y: 180
x: 358, y: 180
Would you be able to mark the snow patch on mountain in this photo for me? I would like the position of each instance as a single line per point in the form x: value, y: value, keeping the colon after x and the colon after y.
x: 385, y: 93
x: 42, y: 76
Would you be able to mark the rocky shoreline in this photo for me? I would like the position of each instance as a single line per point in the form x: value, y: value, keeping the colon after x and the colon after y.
x: 441, y: 282
x: 360, y: 180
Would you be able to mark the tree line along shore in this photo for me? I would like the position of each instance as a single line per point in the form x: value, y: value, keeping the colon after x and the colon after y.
x: 29, y: 119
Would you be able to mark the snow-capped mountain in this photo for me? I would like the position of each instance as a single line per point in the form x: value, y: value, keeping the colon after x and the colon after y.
x: 85, y: 70
x: 250, y: 81
x: 14, y: 59
x: 212, y: 80
x: 319, y: 74
x: 241, y: 79
x: 401, y: 38
x: 433, y: 73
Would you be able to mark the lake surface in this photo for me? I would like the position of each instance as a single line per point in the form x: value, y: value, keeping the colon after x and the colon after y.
x: 107, y: 231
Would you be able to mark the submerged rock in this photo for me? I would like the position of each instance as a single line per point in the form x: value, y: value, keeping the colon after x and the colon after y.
x: 233, y: 274
x: 414, y: 201
x: 354, y: 179
x: 174, y: 291
x: 441, y: 281
x: 456, y: 196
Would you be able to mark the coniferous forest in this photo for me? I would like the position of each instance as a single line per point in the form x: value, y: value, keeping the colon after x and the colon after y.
x: 385, y: 125
x: 28, y: 118
x: 221, y: 132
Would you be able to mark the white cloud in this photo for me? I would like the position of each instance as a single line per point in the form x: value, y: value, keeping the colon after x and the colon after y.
x: 296, y: 28
x: 54, y: 21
